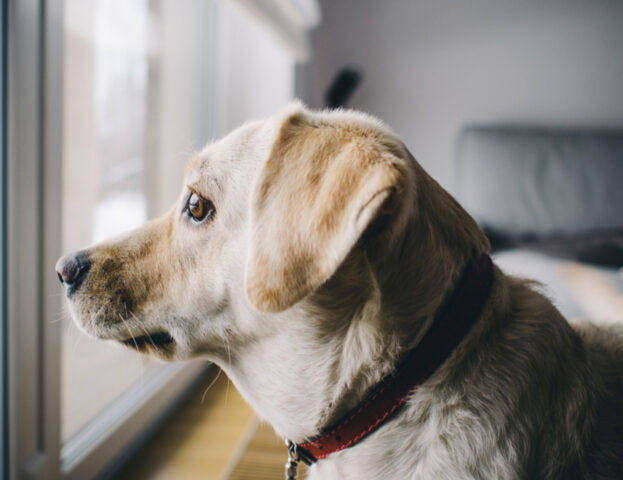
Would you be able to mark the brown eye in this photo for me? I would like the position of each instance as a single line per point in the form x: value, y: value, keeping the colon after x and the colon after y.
x: 199, y: 208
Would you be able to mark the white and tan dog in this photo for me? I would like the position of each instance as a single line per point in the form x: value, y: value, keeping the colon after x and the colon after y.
x: 306, y: 255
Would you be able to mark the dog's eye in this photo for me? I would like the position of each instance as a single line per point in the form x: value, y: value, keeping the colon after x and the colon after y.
x: 199, y: 208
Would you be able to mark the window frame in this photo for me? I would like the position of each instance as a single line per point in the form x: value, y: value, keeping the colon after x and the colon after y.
x: 3, y: 330
x: 34, y: 87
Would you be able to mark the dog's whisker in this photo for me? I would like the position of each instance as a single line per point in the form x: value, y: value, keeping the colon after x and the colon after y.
x: 78, y: 338
x: 203, y: 397
x: 129, y: 331
x: 144, y: 360
x: 60, y: 316
x: 138, y: 322
x: 227, y: 346
x: 142, y: 367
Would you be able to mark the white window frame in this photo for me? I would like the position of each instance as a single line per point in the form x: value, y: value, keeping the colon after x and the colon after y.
x: 3, y: 330
x: 33, y: 209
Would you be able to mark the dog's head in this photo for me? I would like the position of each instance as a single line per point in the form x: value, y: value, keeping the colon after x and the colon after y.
x: 286, y: 247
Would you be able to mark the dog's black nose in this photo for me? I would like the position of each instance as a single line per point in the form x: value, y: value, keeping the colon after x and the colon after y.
x: 71, y: 269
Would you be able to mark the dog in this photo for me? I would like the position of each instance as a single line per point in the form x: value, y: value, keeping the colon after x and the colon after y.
x: 308, y: 255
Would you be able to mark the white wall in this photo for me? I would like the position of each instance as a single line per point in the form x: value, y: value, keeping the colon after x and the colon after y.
x: 432, y: 66
x: 256, y: 70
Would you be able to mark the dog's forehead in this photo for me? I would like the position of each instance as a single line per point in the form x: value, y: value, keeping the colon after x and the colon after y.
x: 243, y: 150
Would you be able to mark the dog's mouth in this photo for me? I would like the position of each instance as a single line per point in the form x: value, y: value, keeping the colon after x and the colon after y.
x: 156, y: 341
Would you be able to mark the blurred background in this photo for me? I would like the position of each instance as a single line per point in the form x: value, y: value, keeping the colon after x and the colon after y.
x: 515, y: 107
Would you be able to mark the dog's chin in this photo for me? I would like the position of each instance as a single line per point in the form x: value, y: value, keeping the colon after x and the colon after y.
x: 158, y: 344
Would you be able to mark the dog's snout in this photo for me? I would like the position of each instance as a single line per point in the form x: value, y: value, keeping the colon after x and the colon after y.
x: 71, y: 269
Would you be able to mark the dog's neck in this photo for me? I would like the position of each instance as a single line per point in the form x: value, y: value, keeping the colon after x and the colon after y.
x: 453, y: 320
x: 318, y: 360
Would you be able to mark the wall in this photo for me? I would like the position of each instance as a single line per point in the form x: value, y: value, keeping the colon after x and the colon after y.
x: 256, y: 71
x: 433, y: 66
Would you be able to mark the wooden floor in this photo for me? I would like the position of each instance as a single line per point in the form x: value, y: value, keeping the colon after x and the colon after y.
x: 219, y: 438
x: 263, y: 459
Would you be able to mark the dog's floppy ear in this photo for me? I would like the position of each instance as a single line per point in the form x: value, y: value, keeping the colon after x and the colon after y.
x: 319, y: 190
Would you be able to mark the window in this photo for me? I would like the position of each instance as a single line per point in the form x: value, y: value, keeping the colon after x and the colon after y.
x: 128, y: 66
x: 105, y: 101
x: 137, y: 102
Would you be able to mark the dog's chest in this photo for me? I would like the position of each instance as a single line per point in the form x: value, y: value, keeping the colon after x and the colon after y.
x: 404, y: 462
x: 421, y: 446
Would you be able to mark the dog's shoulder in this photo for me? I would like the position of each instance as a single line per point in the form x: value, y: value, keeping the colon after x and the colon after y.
x: 572, y: 376
x: 604, y: 343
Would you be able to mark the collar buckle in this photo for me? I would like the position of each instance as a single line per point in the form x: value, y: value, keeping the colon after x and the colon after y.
x: 292, y: 465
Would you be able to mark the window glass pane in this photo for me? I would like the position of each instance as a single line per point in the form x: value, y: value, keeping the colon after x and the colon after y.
x: 120, y: 101
x: 105, y: 128
x: 138, y: 100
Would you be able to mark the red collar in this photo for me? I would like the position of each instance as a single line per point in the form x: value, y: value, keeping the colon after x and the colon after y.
x: 452, y: 322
